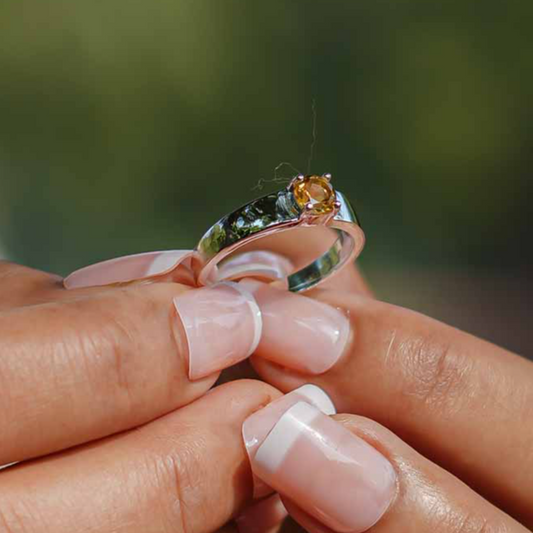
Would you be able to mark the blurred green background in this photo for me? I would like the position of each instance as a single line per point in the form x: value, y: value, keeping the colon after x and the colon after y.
x: 130, y: 126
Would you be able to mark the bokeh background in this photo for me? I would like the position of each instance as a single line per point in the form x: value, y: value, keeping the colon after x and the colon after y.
x: 131, y: 125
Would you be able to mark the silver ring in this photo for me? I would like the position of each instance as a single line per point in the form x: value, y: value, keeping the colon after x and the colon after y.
x: 308, y: 201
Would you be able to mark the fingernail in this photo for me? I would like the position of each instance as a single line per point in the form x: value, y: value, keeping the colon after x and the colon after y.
x: 257, y: 426
x: 333, y: 475
x: 262, y: 516
x: 299, y: 332
x: 125, y: 269
x: 222, y: 326
x: 267, y: 266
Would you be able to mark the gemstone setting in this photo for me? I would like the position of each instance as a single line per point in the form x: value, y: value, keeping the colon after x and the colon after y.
x: 314, y: 194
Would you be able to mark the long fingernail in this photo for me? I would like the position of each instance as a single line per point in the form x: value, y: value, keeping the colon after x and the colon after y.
x: 263, y: 516
x: 126, y: 269
x: 333, y: 475
x: 267, y: 266
x: 257, y: 426
x: 299, y: 332
x: 222, y: 326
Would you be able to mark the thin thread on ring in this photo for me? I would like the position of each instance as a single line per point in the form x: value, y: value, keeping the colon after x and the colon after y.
x: 284, y: 180
x: 313, y: 142
x: 276, y: 179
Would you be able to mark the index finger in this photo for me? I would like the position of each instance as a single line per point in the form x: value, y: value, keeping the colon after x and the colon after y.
x: 105, y: 362
x: 461, y: 401
x: 23, y: 286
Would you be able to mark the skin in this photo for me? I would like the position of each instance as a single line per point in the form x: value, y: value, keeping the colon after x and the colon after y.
x: 104, y: 449
x: 463, y: 403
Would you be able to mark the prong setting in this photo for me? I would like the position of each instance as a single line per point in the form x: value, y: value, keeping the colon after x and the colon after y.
x: 314, y: 195
x: 295, y: 181
x: 280, y: 211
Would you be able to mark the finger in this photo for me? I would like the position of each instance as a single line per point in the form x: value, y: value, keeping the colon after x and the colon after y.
x: 264, y: 516
x: 318, y: 336
x: 363, y: 477
x: 267, y: 260
x: 256, y: 429
x: 186, y: 472
x: 21, y: 285
x: 461, y: 401
x: 81, y: 369
x: 133, y: 268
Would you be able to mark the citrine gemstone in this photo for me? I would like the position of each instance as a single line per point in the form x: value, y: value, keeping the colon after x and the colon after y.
x: 315, y: 191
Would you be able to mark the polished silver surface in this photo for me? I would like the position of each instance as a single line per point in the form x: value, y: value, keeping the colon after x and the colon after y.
x: 277, y: 212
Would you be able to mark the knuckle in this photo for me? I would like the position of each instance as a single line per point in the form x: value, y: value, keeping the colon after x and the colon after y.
x: 450, y: 516
x: 11, y: 272
x: 475, y: 523
x: 436, y: 372
x: 110, y: 352
x: 179, y: 484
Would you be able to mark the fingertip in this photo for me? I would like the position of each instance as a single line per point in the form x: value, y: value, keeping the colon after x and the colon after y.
x: 129, y: 268
x: 299, y: 332
x: 221, y: 325
x: 257, y: 426
x: 245, y: 395
x: 351, y: 485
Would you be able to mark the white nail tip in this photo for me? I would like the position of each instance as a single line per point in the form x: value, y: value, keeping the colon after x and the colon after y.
x: 318, y: 397
x: 284, y: 434
x: 165, y: 261
x: 255, y: 310
x: 127, y: 268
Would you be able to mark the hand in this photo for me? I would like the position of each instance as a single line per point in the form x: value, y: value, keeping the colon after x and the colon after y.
x: 458, y: 412
x: 80, y: 365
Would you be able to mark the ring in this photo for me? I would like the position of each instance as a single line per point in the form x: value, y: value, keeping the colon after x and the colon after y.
x: 308, y: 201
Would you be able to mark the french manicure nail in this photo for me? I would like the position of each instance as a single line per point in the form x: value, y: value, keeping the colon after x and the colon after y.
x: 263, y: 516
x: 258, y: 425
x: 128, y: 268
x: 330, y: 473
x: 299, y: 332
x: 259, y: 264
x: 222, y: 326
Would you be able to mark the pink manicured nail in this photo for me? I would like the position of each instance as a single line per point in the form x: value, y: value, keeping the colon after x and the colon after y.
x: 333, y: 475
x: 222, y: 326
x: 257, y: 426
x: 129, y: 268
x: 263, y: 265
x: 263, y: 516
x: 298, y: 332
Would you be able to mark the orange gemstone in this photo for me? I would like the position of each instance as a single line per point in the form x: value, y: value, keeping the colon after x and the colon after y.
x: 315, y: 191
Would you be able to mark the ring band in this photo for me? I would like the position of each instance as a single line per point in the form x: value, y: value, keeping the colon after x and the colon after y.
x: 308, y: 201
